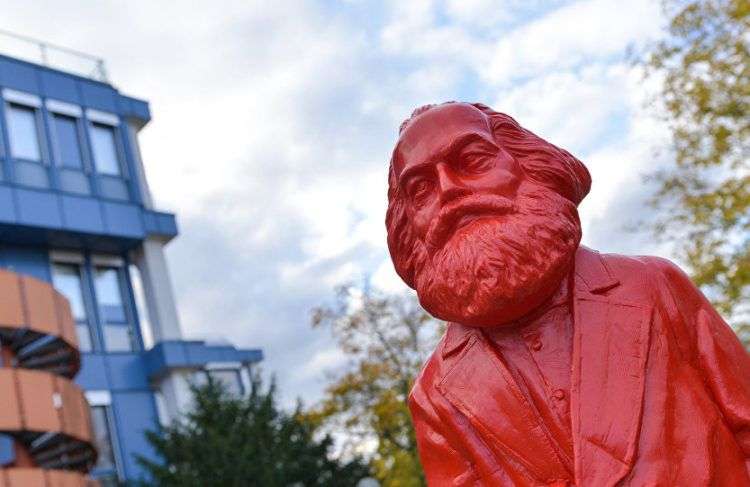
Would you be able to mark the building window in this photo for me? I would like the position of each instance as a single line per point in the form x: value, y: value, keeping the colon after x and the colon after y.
x: 161, y: 408
x: 67, y: 280
x: 110, y: 298
x: 67, y: 142
x: 101, y: 286
x: 104, y: 146
x: 102, y: 438
x: 229, y: 378
x: 106, y: 470
x: 24, y: 132
x: 141, y: 307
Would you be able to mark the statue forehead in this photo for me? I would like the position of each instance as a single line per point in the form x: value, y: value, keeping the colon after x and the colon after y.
x: 433, y: 130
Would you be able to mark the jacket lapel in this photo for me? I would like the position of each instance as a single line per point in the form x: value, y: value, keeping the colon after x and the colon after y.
x: 609, y: 356
x: 480, y: 386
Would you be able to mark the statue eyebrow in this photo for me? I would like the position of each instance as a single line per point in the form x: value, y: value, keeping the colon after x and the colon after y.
x: 462, y: 141
x: 455, y: 146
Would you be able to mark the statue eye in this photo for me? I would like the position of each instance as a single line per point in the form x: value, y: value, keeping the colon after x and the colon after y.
x: 476, y: 162
x: 420, y: 189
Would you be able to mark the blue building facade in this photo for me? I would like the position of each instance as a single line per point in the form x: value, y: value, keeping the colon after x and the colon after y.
x: 76, y: 211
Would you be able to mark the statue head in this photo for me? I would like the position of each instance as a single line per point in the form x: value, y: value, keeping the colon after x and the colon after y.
x: 482, y: 214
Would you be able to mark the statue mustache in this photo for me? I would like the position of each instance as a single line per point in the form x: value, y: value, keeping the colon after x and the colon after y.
x: 443, y: 227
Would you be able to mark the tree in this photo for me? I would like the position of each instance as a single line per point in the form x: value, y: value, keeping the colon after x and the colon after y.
x: 229, y: 441
x: 703, y: 64
x: 387, y: 338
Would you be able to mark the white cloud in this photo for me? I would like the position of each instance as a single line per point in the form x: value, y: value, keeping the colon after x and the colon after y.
x: 484, y: 13
x: 273, y: 125
x: 573, y: 109
x: 573, y: 35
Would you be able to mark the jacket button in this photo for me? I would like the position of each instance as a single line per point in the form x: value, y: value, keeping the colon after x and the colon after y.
x: 559, y: 394
x: 536, y: 345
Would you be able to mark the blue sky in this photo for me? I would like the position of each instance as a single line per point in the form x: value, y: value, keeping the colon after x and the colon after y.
x: 273, y: 124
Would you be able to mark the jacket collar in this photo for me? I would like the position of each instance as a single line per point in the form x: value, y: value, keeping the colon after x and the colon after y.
x: 591, y: 273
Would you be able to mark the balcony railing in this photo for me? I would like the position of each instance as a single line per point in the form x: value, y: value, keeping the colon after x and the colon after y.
x: 52, y: 56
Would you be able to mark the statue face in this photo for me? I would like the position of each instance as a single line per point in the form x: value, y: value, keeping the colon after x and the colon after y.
x: 445, y: 155
x: 489, y: 243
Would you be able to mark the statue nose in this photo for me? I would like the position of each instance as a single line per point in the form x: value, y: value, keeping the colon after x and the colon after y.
x: 450, y: 185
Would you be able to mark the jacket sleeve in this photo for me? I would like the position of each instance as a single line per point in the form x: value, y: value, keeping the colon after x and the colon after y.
x: 720, y: 354
x: 443, y: 464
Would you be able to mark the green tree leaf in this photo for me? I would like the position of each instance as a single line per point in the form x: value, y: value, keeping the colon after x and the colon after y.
x: 703, y: 198
x: 387, y: 339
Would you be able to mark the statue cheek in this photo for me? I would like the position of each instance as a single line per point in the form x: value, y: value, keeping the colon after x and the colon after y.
x: 421, y: 219
x: 506, y: 177
x: 503, y: 182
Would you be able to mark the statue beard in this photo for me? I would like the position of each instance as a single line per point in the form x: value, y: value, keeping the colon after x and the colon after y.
x: 498, y: 268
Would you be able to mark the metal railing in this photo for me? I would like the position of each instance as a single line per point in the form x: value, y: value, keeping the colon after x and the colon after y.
x: 52, y: 55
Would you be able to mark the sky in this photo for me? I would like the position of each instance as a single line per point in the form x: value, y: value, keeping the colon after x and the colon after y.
x: 273, y: 124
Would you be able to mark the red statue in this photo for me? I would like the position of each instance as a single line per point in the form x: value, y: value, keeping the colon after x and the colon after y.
x: 561, y: 366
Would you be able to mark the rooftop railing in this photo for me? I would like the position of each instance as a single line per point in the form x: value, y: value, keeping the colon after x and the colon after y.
x: 52, y: 55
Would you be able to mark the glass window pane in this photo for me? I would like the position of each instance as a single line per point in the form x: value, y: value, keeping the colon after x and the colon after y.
x: 117, y: 338
x: 31, y: 174
x: 107, y: 281
x: 68, y: 142
x: 230, y: 378
x: 114, y: 188
x: 113, y: 313
x: 67, y: 279
x: 141, y: 307
x: 117, y: 333
x: 105, y: 149
x: 84, y: 337
x: 161, y: 408
x: 74, y: 181
x: 102, y: 438
x: 24, y: 135
x: 200, y: 378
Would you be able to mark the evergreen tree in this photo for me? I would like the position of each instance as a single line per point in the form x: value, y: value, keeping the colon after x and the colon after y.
x: 228, y: 441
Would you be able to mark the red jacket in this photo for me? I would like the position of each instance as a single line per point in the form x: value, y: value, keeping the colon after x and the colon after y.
x: 660, y: 392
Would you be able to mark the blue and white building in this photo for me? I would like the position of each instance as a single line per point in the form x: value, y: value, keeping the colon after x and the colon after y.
x: 76, y: 210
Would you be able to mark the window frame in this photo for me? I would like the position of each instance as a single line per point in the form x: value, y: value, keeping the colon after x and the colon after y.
x: 30, y: 102
x: 140, y: 300
x: 96, y: 117
x: 106, y: 182
x: 78, y: 260
x: 81, y: 176
x: 121, y: 276
x: 103, y: 399
x: 9, y: 108
x: 61, y: 109
x: 243, y: 382
x: 88, y: 264
x: 127, y: 299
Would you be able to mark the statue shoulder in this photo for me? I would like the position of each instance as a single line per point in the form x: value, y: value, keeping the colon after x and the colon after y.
x: 623, y: 266
x: 646, y: 276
